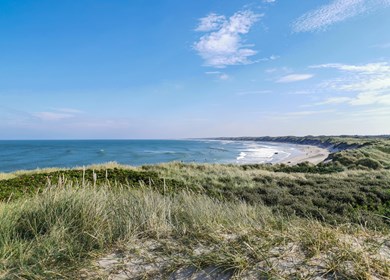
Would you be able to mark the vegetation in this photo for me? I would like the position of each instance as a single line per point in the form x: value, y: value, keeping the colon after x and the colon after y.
x: 350, y: 151
x: 326, y: 220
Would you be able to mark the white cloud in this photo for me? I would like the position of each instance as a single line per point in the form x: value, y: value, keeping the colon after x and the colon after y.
x: 335, y: 100
x: 224, y: 76
x: 68, y: 110
x: 370, y: 83
x: 294, y: 78
x: 300, y: 92
x: 307, y: 113
x: 368, y: 98
x: 269, y: 1
x: 376, y: 112
x: 270, y: 58
x: 366, y: 68
x: 52, y: 116
x: 220, y: 75
x: 57, y: 114
x: 222, y: 45
x: 211, y: 22
x: 270, y: 70
x: 213, y: 72
x: 336, y: 11
x: 284, y: 70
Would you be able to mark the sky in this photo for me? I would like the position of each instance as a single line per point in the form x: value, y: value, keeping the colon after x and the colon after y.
x: 136, y: 69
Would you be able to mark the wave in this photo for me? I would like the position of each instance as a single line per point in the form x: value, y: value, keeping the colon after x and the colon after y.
x: 162, y: 152
x: 253, y: 152
x: 241, y: 156
x: 218, y: 149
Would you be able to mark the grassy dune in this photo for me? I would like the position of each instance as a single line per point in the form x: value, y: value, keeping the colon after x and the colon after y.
x: 249, y: 221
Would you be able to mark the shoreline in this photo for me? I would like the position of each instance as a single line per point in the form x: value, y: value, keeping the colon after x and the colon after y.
x: 70, y: 155
x: 307, y: 153
x: 311, y: 154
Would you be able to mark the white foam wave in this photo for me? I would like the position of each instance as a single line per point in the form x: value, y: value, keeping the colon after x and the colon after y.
x: 241, y: 156
x: 254, y: 152
x: 262, y: 152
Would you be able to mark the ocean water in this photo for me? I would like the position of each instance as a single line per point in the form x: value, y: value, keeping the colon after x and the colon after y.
x: 26, y: 155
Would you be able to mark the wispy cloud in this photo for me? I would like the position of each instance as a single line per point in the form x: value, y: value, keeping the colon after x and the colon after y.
x: 271, y: 57
x: 52, y: 116
x: 307, y: 113
x: 300, y: 92
x: 294, y: 78
x: 336, y: 11
x: 211, y: 22
x: 335, y: 100
x: 67, y: 110
x: 364, y: 98
x: 224, y: 77
x: 222, y: 45
x: 57, y: 114
x: 370, y: 68
x: 283, y: 70
x: 220, y: 75
x: 367, y: 98
x: 370, y: 83
x: 376, y: 112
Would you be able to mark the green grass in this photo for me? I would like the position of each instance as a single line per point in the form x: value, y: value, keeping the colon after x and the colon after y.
x: 58, y: 228
x: 360, y: 197
x: 52, y: 235
x: 357, y: 196
x: 246, y: 219
x: 33, y: 182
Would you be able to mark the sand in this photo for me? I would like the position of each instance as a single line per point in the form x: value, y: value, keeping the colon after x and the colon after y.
x: 311, y: 154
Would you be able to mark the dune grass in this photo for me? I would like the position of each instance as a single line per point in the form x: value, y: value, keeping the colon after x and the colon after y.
x: 296, y: 222
x: 55, y: 233
x: 357, y: 196
x: 45, y: 235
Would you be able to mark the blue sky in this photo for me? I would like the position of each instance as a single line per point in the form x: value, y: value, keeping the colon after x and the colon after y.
x: 204, y: 68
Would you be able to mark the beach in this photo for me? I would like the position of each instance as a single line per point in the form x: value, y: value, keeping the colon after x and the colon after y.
x: 256, y: 152
x: 27, y: 155
x: 310, y: 154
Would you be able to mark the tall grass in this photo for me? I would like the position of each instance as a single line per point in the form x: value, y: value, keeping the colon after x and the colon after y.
x: 41, y: 237
x: 54, y: 234
x: 239, y: 218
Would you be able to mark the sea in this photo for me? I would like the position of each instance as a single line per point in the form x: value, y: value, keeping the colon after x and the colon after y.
x: 33, y: 154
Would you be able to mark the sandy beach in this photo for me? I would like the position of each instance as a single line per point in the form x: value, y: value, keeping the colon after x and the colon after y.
x: 311, y: 154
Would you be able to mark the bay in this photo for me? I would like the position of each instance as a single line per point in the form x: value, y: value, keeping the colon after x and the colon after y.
x: 32, y: 154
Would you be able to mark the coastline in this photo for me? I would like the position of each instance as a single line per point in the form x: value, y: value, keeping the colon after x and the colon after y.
x: 69, y: 154
x: 312, y: 154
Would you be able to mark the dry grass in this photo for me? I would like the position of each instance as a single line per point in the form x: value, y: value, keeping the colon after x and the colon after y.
x: 224, y: 218
x: 54, y: 234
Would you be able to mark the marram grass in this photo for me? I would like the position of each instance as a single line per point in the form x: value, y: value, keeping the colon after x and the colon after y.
x: 43, y: 236
x: 254, y: 221
x: 53, y: 234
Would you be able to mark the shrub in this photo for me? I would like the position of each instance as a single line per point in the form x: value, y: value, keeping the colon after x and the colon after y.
x: 369, y: 163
